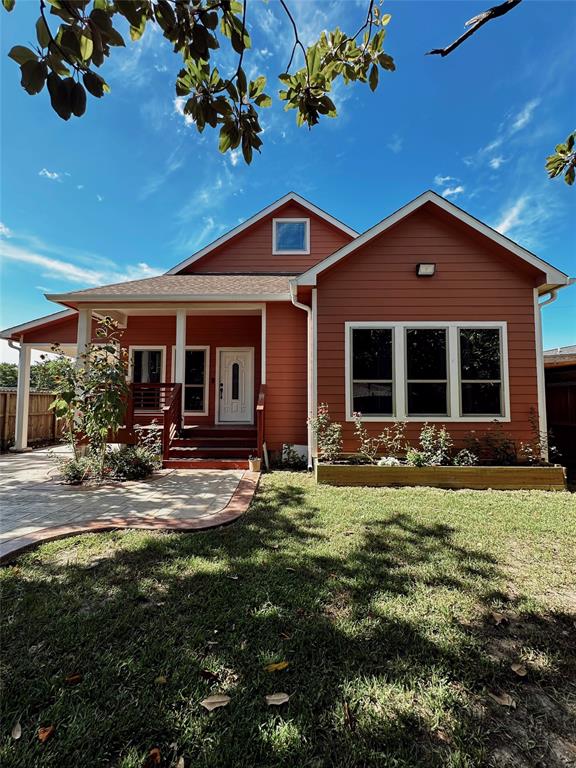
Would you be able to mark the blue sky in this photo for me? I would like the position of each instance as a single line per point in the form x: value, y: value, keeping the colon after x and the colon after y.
x: 132, y: 189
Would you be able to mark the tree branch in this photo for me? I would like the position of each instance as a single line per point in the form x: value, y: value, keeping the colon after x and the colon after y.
x: 297, y: 41
x: 475, y: 24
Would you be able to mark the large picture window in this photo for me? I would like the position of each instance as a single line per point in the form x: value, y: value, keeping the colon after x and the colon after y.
x: 372, y: 371
x: 427, y: 371
x: 480, y: 371
x: 195, y: 380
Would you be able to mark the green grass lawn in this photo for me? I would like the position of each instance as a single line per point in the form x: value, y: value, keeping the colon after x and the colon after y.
x: 387, y: 605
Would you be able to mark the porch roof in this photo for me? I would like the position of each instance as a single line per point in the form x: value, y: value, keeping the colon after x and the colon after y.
x: 203, y: 287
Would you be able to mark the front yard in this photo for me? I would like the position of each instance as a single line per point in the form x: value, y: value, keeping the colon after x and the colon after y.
x: 401, y: 614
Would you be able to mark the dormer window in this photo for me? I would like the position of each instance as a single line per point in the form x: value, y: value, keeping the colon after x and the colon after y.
x: 290, y: 236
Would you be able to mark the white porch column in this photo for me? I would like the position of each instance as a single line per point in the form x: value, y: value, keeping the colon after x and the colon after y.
x: 84, y: 334
x: 263, y: 345
x: 180, y: 350
x: 22, y: 400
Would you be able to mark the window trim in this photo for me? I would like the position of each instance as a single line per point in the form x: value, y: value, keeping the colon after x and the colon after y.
x: 291, y: 220
x: 142, y: 348
x: 453, y: 359
x: 206, y: 349
x: 390, y: 381
x: 462, y: 381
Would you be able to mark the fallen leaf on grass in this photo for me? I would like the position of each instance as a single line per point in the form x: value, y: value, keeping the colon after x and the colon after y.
x: 276, y: 666
x: 216, y: 701
x: 73, y: 679
x: 161, y: 680
x: 276, y: 699
x: 291, y: 570
x: 233, y: 576
x: 349, y: 719
x: 45, y: 733
x: 152, y: 758
x: 504, y: 699
x: 443, y: 736
x: 498, y: 618
x: 207, y: 675
x: 181, y: 763
x: 519, y: 669
x: 285, y: 636
x: 16, y: 730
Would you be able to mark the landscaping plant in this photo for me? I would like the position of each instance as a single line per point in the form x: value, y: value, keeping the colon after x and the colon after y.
x: 391, y: 441
x: 328, y: 434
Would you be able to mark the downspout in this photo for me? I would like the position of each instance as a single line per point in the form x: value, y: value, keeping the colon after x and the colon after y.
x: 309, y: 369
x: 542, y: 419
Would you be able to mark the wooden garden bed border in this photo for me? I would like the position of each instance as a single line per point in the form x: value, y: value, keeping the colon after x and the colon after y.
x: 480, y: 478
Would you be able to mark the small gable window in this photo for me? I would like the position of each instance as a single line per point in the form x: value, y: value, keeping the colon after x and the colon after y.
x: 291, y: 236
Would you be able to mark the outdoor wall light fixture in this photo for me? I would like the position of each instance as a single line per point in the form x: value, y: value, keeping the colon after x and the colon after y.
x: 425, y: 270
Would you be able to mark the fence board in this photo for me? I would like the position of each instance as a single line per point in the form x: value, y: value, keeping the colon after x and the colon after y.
x: 42, y: 423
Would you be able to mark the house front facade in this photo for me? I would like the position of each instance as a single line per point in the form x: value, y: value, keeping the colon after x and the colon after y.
x: 429, y: 316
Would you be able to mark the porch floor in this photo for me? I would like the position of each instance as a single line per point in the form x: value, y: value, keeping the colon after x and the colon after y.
x: 35, y: 507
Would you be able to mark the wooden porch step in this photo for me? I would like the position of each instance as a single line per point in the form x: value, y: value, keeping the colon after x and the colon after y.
x: 218, y: 430
x: 205, y: 464
x: 209, y: 452
x: 223, y: 441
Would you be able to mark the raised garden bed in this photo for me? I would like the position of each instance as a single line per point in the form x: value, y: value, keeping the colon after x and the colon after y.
x: 552, y: 478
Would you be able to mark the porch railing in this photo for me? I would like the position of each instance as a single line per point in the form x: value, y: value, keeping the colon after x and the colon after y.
x: 260, y: 414
x: 172, y: 418
x: 147, y: 402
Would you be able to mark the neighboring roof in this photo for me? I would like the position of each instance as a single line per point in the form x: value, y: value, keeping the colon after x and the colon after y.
x: 187, y: 288
x: 17, y: 330
x: 290, y: 197
x: 554, y: 277
x: 570, y: 350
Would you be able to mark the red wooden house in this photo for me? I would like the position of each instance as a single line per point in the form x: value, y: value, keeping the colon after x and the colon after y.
x: 429, y: 316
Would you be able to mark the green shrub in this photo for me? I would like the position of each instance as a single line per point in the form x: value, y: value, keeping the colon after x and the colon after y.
x: 132, y: 462
x: 328, y: 434
x: 75, y: 471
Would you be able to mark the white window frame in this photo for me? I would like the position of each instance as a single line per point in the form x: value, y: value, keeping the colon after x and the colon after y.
x: 391, y: 381
x: 142, y: 348
x: 447, y: 380
x: 289, y: 220
x: 399, y: 370
x: 206, y: 350
x: 480, y: 381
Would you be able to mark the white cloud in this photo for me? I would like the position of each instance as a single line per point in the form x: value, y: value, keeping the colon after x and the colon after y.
x: 52, y: 175
x: 4, y: 231
x: 69, y: 272
x: 496, y: 162
x: 179, y: 102
x: 174, y: 162
x: 395, y: 144
x: 453, y: 191
x: 99, y: 198
x: 524, y: 116
x: 80, y: 186
x: 234, y: 156
x: 441, y: 180
x: 529, y: 217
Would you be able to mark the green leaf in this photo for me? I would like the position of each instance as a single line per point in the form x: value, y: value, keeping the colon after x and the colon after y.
x: 137, y: 32
x: 9, y: 4
x: 78, y: 100
x: 34, y: 75
x: 569, y: 177
x: 95, y: 84
x: 21, y: 54
x: 263, y: 100
x: 373, y: 81
x: 257, y: 86
x: 60, y: 94
x: 86, y: 47
x: 225, y: 140
x: 42, y: 33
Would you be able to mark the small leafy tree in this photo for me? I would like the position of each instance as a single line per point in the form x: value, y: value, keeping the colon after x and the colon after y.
x: 328, y: 434
x: 91, y: 396
x: 46, y: 374
x: 563, y: 160
x: 8, y: 374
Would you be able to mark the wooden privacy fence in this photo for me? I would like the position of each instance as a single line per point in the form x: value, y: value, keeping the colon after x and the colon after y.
x: 42, y: 423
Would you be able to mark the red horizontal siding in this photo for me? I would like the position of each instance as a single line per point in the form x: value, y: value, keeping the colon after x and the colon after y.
x: 474, y: 281
x: 251, y: 250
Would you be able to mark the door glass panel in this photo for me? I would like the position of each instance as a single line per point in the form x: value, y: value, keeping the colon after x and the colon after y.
x: 147, y: 366
x: 235, y: 381
x: 194, y: 379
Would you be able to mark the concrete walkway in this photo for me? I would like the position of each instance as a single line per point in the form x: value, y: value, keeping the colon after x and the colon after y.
x: 35, y: 507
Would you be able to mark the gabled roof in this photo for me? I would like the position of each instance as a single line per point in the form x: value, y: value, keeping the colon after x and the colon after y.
x: 554, y: 277
x: 18, y: 330
x: 186, y: 288
x: 290, y: 197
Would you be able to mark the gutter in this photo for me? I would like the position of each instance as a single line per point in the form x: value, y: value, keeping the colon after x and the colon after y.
x: 309, y: 369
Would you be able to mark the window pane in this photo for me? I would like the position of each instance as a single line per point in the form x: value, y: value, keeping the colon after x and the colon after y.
x: 426, y: 353
x: 372, y: 399
x: 480, y: 353
x: 147, y: 366
x: 290, y: 236
x: 194, y: 366
x: 193, y: 398
x: 372, y: 353
x: 235, y: 381
x: 481, y: 399
x: 427, y: 399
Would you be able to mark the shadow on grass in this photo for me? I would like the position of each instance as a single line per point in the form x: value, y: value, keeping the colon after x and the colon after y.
x: 385, y: 625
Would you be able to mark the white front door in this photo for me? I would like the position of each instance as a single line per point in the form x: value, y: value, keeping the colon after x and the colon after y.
x: 236, y: 386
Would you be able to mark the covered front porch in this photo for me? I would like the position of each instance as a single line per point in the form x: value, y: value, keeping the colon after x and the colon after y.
x: 196, y: 371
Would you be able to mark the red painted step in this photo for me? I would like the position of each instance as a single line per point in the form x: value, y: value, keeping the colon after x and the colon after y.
x: 205, y: 464
x: 209, y: 452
